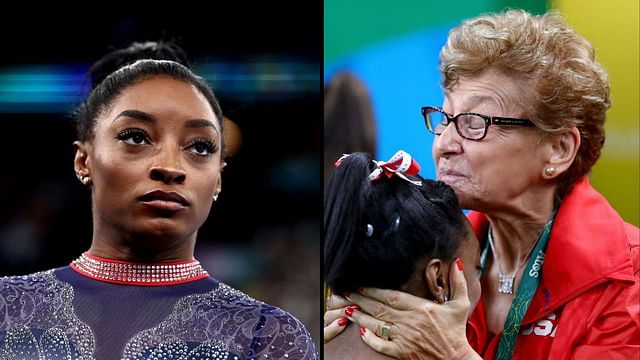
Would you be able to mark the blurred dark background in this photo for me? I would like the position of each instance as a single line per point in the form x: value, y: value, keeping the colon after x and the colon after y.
x: 263, y: 234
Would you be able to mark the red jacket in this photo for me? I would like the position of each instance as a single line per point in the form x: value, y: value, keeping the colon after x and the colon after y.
x: 587, y: 305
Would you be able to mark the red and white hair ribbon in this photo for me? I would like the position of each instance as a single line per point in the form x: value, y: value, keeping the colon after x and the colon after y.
x: 339, y: 161
x: 400, y: 164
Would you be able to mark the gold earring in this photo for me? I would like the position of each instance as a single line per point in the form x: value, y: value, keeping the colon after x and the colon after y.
x: 550, y: 171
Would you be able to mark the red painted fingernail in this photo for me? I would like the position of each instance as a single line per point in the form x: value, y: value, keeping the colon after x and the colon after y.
x: 343, y: 321
x: 349, y: 310
x: 347, y: 293
x: 360, y: 289
x: 362, y: 331
x: 459, y: 264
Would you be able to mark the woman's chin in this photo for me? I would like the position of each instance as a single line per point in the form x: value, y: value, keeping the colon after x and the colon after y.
x: 162, y: 228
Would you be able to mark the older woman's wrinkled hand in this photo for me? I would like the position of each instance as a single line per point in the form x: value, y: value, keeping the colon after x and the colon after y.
x: 336, y: 316
x: 419, y: 328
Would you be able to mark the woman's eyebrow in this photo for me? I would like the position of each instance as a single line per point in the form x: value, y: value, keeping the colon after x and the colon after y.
x: 136, y: 114
x: 476, y: 99
x: 199, y: 123
x: 149, y: 118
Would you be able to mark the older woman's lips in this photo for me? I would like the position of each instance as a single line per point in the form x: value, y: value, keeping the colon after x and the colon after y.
x: 162, y: 200
x: 448, y: 173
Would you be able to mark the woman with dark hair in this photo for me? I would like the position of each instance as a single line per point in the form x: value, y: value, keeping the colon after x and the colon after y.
x: 386, y: 227
x: 150, y: 149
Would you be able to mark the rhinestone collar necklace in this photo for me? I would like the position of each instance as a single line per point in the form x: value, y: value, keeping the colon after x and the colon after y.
x: 141, y: 274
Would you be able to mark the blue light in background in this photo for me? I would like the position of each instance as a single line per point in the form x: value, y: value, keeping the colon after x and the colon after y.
x: 270, y: 79
x: 52, y: 88
x: 41, y: 88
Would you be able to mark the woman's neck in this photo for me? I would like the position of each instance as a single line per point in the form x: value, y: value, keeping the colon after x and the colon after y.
x: 137, y: 255
x: 349, y: 345
x: 515, y: 230
x: 130, y: 247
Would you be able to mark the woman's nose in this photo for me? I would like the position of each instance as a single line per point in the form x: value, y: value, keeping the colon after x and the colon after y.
x: 167, y: 167
x: 449, y: 140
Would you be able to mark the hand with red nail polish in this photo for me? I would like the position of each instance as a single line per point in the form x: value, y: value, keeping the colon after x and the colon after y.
x: 348, y: 311
x: 343, y: 321
x: 419, y: 327
x: 335, y: 320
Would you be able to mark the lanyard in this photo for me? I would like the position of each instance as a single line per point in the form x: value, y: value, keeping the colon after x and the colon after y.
x: 524, y: 294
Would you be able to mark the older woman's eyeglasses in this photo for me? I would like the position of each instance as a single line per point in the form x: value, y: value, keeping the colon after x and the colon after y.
x: 472, y: 126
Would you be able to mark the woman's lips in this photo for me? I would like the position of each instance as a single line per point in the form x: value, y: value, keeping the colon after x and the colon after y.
x: 162, y: 200
x: 448, y: 173
x: 164, y: 205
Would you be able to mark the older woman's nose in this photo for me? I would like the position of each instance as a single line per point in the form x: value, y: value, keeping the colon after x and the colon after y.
x: 449, y: 140
x: 167, y: 167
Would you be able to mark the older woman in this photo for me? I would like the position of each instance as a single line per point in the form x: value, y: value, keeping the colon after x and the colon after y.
x: 520, y: 128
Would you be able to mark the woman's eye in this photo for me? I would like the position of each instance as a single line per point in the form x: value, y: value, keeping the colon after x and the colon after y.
x: 202, y: 147
x: 133, y: 137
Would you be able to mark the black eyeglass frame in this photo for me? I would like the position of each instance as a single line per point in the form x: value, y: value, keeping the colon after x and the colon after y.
x: 488, y: 121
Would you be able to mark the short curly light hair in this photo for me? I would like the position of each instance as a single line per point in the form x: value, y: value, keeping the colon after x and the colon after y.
x: 565, y: 85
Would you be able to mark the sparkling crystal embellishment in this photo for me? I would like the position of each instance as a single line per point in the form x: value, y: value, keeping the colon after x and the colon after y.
x: 120, y: 272
x: 505, y: 283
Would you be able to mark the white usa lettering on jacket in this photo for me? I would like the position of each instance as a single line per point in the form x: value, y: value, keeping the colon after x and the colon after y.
x: 544, y: 327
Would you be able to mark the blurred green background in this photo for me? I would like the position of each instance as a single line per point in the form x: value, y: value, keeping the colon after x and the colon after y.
x: 394, y: 50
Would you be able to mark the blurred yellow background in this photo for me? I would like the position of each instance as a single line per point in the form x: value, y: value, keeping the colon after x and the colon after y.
x: 614, y: 29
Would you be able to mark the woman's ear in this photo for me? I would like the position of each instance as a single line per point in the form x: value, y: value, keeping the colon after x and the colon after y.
x: 223, y: 165
x: 564, y: 147
x: 436, y: 275
x: 218, y: 186
x: 82, y: 162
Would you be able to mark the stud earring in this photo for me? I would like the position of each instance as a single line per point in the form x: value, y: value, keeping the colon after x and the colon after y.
x: 215, y: 196
x: 549, y: 171
x: 83, y: 179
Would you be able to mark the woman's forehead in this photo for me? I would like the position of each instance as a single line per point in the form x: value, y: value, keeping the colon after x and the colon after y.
x: 495, y: 90
x: 164, y: 95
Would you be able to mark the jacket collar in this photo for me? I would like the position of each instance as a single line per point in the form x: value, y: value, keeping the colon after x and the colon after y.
x: 587, y: 247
